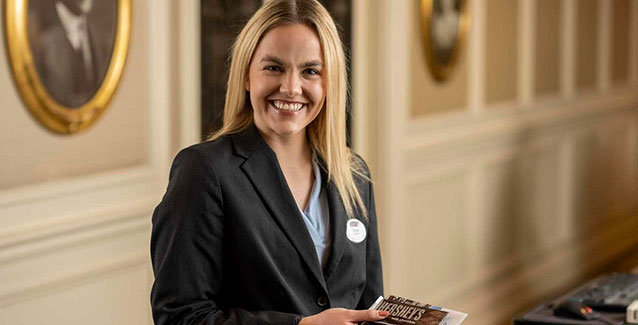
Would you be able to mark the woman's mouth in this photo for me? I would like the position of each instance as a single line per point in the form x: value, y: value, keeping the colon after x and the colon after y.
x: 287, y: 106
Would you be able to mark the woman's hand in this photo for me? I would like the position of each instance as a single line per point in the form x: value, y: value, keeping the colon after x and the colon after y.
x: 342, y: 316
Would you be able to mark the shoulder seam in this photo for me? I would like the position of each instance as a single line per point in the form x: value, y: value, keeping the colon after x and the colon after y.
x: 212, y: 166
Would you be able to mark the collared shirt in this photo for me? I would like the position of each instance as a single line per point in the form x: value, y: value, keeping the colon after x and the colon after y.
x: 316, y: 217
x: 74, y: 25
x: 76, y: 31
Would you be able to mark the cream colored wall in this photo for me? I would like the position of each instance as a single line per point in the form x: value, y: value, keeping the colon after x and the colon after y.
x: 528, y: 186
x: 501, y: 52
x: 620, y: 31
x: 480, y: 208
x: 547, y: 47
x: 586, y: 55
x: 447, y: 98
x: 75, y: 210
x: 118, y: 139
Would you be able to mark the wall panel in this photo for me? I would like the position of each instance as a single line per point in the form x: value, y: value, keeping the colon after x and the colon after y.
x: 604, y: 178
x: 545, y: 191
x: 31, y: 268
x: 501, y: 50
x: 587, y: 43
x: 620, y: 40
x: 540, y: 180
x: 80, y: 304
x: 75, y: 210
x: 547, y: 67
x: 431, y: 97
x: 540, y: 189
x: 502, y: 221
x: 435, y: 228
x: 117, y: 140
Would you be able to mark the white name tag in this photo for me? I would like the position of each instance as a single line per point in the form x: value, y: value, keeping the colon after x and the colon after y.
x: 355, y: 231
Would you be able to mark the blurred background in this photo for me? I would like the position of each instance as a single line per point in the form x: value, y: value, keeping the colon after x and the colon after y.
x: 508, y: 183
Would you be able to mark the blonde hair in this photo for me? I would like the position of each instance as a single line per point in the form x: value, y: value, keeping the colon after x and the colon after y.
x: 327, y: 132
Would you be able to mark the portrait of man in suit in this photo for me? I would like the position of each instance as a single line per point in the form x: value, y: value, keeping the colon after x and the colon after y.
x: 72, y: 43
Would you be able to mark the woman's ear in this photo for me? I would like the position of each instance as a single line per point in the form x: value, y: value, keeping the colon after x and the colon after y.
x: 247, y: 85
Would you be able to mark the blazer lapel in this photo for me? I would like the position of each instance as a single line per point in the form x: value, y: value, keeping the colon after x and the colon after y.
x: 262, y: 168
x: 337, y: 227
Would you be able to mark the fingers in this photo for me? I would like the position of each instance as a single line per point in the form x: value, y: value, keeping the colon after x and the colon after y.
x: 343, y: 316
x: 369, y: 315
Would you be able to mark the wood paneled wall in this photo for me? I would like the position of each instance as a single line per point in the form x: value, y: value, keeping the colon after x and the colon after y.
x: 528, y: 181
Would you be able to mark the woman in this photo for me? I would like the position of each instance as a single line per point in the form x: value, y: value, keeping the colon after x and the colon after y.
x: 272, y: 221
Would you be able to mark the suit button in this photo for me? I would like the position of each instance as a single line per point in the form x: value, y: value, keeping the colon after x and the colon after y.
x: 322, y: 301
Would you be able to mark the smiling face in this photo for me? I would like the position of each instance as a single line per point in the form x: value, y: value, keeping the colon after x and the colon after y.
x: 285, y: 81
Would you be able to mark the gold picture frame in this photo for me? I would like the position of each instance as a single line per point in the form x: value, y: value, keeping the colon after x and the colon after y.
x: 444, y: 28
x: 57, y: 108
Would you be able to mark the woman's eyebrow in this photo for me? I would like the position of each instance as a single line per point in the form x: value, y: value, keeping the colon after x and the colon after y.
x: 315, y: 63
x: 276, y: 60
x: 270, y: 58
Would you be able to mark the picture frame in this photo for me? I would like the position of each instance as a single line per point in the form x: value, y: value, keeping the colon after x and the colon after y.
x: 67, y: 57
x: 444, y: 28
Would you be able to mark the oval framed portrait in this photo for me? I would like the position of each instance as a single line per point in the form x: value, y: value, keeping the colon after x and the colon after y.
x: 444, y: 27
x: 67, y: 57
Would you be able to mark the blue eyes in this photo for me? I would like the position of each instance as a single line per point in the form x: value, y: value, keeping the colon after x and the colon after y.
x: 312, y: 71
x: 309, y: 71
x: 272, y: 68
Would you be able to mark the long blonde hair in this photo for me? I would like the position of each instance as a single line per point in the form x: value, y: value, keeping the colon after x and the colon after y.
x: 327, y: 132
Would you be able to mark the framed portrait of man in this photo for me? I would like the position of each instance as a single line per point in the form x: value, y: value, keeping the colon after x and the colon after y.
x: 67, y: 57
x: 444, y: 25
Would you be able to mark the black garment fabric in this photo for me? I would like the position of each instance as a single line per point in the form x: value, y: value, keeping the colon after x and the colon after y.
x: 229, y: 246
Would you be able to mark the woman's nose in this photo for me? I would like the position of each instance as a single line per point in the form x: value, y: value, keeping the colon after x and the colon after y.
x: 291, y: 85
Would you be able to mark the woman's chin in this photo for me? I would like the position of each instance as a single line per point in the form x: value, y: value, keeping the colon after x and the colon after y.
x: 286, y: 130
x: 282, y: 127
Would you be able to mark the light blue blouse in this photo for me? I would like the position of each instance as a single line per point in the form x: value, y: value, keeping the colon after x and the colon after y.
x: 316, y: 217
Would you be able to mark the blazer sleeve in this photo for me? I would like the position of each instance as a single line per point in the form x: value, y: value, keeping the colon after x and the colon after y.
x: 187, y: 251
x: 374, y: 274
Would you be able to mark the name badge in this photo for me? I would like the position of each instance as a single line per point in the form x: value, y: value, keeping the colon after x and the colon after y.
x: 355, y: 231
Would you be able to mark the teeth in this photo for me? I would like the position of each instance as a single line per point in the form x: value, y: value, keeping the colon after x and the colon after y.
x: 288, y: 107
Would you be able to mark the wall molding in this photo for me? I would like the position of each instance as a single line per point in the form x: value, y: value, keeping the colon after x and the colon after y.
x: 476, y: 51
x: 471, y: 132
x: 72, y: 186
x: 37, y: 209
x: 604, y: 49
x: 568, y: 48
x: 534, y: 145
x: 85, y: 275
x: 190, y: 73
x: 526, y: 53
x: 27, y: 206
x: 550, y: 130
x: 159, y: 87
x: 393, y: 31
x: 95, y: 247
x: 61, y: 234
x: 73, y: 229
x: 490, y: 286
x: 363, y: 73
x: 633, y: 54
x: 509, y: 112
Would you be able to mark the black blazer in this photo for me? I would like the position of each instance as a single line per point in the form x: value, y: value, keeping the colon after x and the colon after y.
x: 229, y: 246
